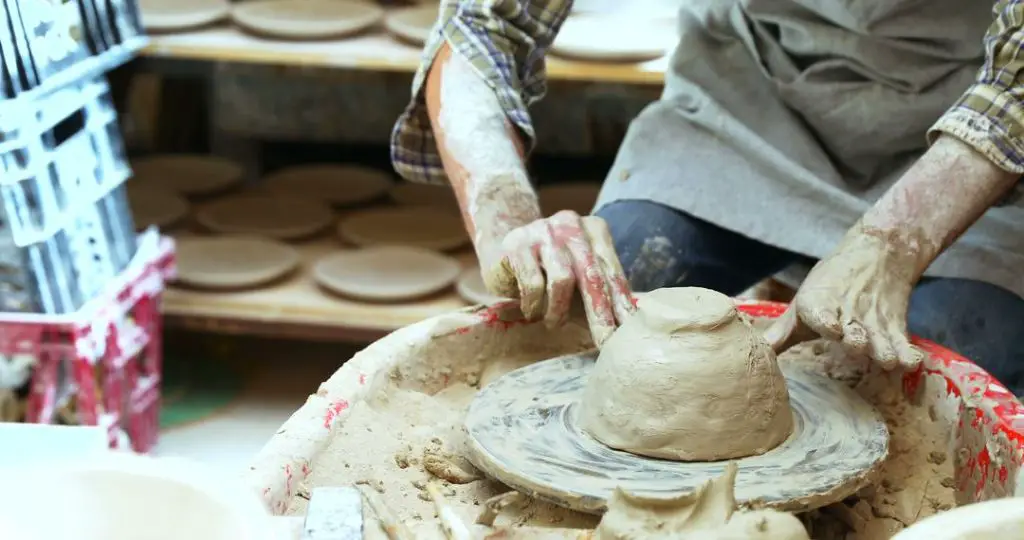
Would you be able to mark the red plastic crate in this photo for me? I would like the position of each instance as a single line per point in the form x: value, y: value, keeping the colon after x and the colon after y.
x: 108, y: 354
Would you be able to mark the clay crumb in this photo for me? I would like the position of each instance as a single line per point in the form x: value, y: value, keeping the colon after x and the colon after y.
x: 376, y: 485
x: 449, y: 467
x: 937, y: 458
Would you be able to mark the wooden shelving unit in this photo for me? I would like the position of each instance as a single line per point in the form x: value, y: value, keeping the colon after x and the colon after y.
x: 375, y: 51
x: 297, y: 307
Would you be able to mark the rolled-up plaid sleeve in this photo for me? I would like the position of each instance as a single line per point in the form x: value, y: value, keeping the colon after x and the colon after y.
x: 990, y: 114
x: 505, y: 41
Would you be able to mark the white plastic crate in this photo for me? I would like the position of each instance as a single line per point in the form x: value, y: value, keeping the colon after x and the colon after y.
x: 59, y: 157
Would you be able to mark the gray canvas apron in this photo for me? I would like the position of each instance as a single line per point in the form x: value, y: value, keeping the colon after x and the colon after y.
x: 784, y: 120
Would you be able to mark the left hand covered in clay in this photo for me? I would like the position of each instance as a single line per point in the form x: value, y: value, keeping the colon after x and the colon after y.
x: 857, y: 296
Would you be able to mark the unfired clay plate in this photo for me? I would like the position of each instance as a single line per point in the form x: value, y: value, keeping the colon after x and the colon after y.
x: 579, y: 197
x: 412, y: 24
x: 386, y: 273
x: 611, y: 39
x: 336, y: 184
x: 170, y: 15
x: 471, y: 288
x: 306, y: 19
x: 413, y: 194
x: 271, y: 216
x: 187, y: 174
x: 229, y: 262
x: 155, y: 206
x: 422, y: 227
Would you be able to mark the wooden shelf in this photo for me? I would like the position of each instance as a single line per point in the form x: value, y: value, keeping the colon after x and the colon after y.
x: 297, y: 307
x: 374, y: 51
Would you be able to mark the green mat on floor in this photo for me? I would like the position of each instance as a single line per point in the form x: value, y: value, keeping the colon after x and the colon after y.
x: 195, y: 390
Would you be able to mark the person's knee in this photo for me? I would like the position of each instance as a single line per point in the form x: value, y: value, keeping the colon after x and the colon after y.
x: 649, y: 242
x: 976, y: 319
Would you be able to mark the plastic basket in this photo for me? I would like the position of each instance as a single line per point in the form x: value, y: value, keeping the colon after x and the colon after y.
x: 104, y: 360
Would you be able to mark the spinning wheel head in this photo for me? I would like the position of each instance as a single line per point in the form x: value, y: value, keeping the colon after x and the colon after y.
x: 523, y: 431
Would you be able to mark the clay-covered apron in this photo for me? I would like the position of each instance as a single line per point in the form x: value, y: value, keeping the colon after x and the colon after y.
x: 784, y: 120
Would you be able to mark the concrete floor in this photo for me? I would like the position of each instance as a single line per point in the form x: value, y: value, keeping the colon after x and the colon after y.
x: 279, y: 376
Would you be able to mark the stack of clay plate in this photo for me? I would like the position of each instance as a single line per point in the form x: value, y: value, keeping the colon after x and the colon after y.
x: 400, y: 253
x: 162, y: 185
x: 181, y: 15
x: 306, y: 19
x: 618, y: 36
x: 412, y: 24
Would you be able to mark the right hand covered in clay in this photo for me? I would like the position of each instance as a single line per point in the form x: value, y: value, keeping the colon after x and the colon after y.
x: 544, y: 262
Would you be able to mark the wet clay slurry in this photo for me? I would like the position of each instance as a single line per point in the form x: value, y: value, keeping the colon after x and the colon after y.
x: 523, y: 431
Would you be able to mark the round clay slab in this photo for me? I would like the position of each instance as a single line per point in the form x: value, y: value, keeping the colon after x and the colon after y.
x: 423, y: 227
x: 413, y: 194
x: 471, y: 288
x: 170, y: 15
x: 612, y: 39
x: 187, y: 174
x: 152, y: 206
x: 271, y: 216
x: 580, y: 197
x: 228, y: 262
x: 337, y: 184
x: 306, y: 19
x: 386, y: 273
x: 412, y: 24
x: 523, y: 431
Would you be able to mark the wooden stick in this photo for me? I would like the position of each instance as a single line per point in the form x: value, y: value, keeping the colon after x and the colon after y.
x: 393, y: 527
x: 452, y: 524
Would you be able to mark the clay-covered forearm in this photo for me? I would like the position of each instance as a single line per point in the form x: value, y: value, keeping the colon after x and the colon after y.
x: 935, y: 201
x: 482, y: 153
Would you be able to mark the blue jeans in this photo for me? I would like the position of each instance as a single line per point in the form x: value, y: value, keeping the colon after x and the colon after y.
x: 663, y: 247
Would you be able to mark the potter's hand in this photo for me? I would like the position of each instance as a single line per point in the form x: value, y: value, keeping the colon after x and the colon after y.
x: 860, y: 293
x: 544, y: 262
x: 857, y: 296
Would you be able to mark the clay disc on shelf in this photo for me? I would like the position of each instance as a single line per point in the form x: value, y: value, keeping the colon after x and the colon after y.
x: 412, y: 24
x: 170, y: 15
x: 270, y: 216
x: 187, y: 174
x: 579, y: 197
x: 229, y: 262
x: 340, y: 185
x: 386, y: 273
x: 306, y: 19
x: 413, y: 194
x: 471, y: 288
x: 155, y: 206
x: 523, y: 430
x: 611, y: 39
x: 423, y: 227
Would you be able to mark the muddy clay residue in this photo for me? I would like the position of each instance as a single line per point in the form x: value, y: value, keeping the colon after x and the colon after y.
x: 403, y: 439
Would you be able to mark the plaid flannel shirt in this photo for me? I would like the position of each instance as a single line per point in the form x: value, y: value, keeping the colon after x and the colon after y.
x: 505, y: 41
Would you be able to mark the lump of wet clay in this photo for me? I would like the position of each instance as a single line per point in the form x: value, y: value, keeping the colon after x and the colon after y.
x: 687, y: 378
x: 709, y: 513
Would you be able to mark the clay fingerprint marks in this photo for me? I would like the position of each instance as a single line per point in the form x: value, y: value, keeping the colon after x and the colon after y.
x: 188, y: 175
x: 421, y: 227
x: 172, y: 15
x: 339, y: 185
x: 272, y: 216
x: 580, y: 197
x: 472, y: 289
x: 386, y: 273
x: 615, y: 37
x: 523, y: 431
x: 232, y: 262
x: 306, y: 19
x: 412, y: 25
x: 153, y: 206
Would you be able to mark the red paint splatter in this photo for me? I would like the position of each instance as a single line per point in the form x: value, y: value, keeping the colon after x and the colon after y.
x: 1004, y: 474
x: 333, y: 411
x: 305, y: 469
x: 362, y: 378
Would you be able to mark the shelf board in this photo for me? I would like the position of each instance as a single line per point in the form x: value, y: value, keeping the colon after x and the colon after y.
x: 297, y: 307
x: 375, y: 51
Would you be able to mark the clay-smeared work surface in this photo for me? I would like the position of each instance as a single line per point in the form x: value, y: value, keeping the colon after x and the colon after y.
x: 391, y: 418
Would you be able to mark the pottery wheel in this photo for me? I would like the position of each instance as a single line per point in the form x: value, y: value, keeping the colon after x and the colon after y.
x: 523, y: 431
